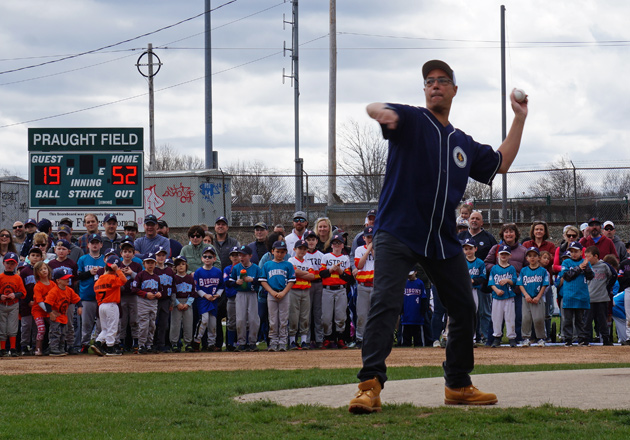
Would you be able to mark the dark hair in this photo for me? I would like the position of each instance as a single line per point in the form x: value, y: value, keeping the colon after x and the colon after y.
x: 10, y: 245
x: 272, y: 238
x: 536, y: 223
x: 612, y: 260
x: 196, y: 229
x: 593, y: 250
x: 512, y: 227
x: 209, y: 234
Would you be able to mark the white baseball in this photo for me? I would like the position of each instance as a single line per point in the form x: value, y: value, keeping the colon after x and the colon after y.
x: 519, y: 95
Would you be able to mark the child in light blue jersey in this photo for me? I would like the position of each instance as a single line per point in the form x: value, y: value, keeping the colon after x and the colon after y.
x: 533, y: 281
x: 501, y: 280
x: 476, y: 267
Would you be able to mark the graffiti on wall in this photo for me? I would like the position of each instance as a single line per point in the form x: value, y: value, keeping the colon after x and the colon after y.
x: 185, y: 193
x: 209, y: 190
x: 152, y: 202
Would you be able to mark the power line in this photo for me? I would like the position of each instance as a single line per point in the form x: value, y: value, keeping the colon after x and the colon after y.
x: 116, y: 44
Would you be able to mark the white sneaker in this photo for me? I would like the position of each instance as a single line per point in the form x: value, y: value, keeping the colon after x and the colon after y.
x: 541, y: 343
x: 526, y: 343
x: 436, y: 343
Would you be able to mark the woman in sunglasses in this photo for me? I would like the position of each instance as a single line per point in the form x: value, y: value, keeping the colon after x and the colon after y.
x: 194, y: 249
x: 570, y: 234
x: 6, y: 245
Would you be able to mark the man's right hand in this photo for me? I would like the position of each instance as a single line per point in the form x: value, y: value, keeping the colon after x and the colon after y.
x: 383, y: 115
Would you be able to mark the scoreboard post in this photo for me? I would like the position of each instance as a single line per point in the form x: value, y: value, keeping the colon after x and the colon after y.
x: 73, y: 171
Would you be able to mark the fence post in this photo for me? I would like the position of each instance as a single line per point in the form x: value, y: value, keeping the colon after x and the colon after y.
x: 575, y: 192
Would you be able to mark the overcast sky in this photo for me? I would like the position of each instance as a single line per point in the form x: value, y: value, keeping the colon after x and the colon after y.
x: 570, y: 57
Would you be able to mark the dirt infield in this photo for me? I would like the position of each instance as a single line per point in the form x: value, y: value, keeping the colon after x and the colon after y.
x: 400, y: 357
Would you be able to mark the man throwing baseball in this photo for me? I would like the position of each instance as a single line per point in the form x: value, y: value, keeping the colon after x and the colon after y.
x: 428, y: 167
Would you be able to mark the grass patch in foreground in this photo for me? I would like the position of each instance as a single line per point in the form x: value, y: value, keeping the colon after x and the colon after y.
x: 199, y: 404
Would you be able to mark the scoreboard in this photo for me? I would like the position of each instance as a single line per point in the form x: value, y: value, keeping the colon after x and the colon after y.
x: 86, y: 167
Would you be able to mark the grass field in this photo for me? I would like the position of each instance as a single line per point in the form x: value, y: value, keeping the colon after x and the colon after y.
x: 200, y: 405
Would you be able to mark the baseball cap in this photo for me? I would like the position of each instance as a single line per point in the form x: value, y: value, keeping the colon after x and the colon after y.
x: 234, y: 250
x: 62, y: 273
x: 169, y: 262
x: 532, y: 249
x: 299, y: 214
x: 583, y: 226
x: 469, y: 242
x: 63, y: 243
x: 368, y: 231
x: 309, y: 233
x: 131, y: 225
x: 30, y: 221
x: 109, y: 217
x: 113, y: 260
x: 260, y: 225
x: 127, y: 243
x: 150, y: 219
x: 299, y: 243
x: 11, y: 256
x: 44, y: 225
x: 179, y: 259
x: 162, y: 224
x: 593, y: 220
x: 462, y: 223
x: 279, y: 245
x: 66, y: 221
x: 566, y: 254
x: 575, y: 245
x: 504, y: 249
x: 608, y: 223
x: 211, y: 249
x: 371, y: 212
x: 245, y: 250
x: 150, y: 257
x: 337, y: 237
x: 159, y: 249
x: 221, y: 219
x: 339, y: 231
x: 35, y: 250
x: 64, y: 229
x: 110, y: 251
x: 95, y: 237
x: 437, y: 64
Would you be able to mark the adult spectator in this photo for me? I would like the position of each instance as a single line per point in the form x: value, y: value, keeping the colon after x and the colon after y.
x: 151, y: 240
x: 485, y: 241
x: 164, y: 231
x: 131, y: 229
x: 358, y: 239
x: 68, y: 222
x: 19, y: 235
x: 595, y: 238
x: 609, y: 232
x: 65, y: 233
x: 90, y: 221
x: 279, y: 229
x: 111, y: 238
x: 6, y: 245
x: 510, y: 236
x: 324, y: 232
x: 259, y: 246
x: 223, y: 244
x: 45, y: 226
x: 300, y: 223
x: 585, y: 231
x: 569, y: 234
x: 30, y: 226
x: 539, y: 233
x: 194, y: 250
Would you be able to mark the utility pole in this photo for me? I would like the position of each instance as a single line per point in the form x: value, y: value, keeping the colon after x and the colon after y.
x: 296, y: 104
x: 149, y: 53
x: 210, y: 162
x: 332, y: 104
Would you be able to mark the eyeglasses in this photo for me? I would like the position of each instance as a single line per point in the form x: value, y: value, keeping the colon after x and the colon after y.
x: 41, y: 245
x: 5, y: 236
x: 609, y: 228
x: 195, y: 236
x: 207, y: 257
x: 442, y: 80
x: 299, y: 220
x: 571, y: 235
x: 18, y: 227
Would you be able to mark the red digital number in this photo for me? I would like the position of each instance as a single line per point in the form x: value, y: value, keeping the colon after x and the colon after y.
x: 124, y: 174
x: 52, y: 175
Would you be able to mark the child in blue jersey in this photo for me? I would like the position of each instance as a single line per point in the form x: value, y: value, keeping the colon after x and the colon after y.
x: 230, y: 293
x: 476, y: 267
x: 575, y: 297
x: 244, y: 277
x: 533, y: 281
x: 277, y: 278
x: 501, y: 280
x: 209, y: 282
x: 415, y: 304
x: 87, y: 266
x: 183, y: 299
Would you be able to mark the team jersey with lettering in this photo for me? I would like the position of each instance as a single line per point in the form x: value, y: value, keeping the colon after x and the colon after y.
x: 316, y: 262
x: 107, y: 287
x: 498, y: 273
x: 328, y: 261
x: 477, y: 271
x: 146, y: 283
x: 277, y: 275
x: 209, y: 282
x: 184, y: 289
x: 60, y: 300
x: 166, y: 280
x: 533, y: 280
x: 40, y: 292
x: 365, y: 275
x: 305, y: 265
x: 253, y: 271
x: 412, y: 308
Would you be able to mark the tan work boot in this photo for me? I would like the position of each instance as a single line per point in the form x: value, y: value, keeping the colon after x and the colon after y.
x: 468, y: 396
x: 367, y: 399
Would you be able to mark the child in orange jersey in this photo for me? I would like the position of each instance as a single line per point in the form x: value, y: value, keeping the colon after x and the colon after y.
x: 57, y: 302
x: 43, y: 285
x: 107, y: 289
x: 11, y: 290
x: 299, y: 297
x: 364, y: 262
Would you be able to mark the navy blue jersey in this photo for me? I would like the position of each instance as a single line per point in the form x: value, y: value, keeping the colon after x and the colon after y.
x: 428, y: 167
x: 209, y: 282
x: 412, y: 310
